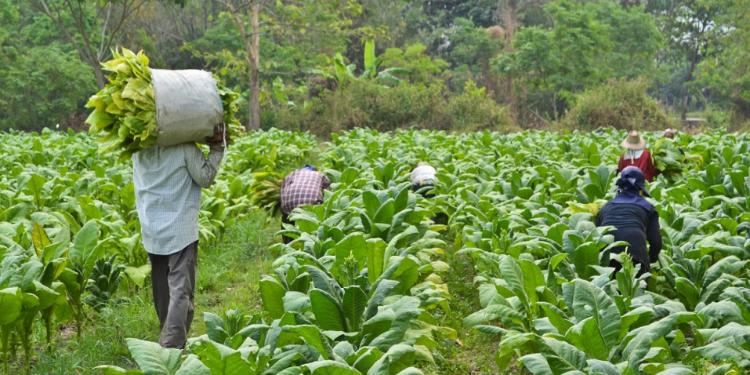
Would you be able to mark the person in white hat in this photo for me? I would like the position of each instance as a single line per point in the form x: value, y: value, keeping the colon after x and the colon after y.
x: 636, y: 154
x: 423, y: 178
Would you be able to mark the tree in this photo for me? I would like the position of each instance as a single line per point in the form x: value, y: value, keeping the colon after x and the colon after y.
x: 511, y: 14
x: 586, y: 44
x: 690, y: 28
x: 250, y: 34
x: 469, y: 50
x: 296, y: 36
x: 418, y: 66
x: 726, y: 73
x: 42, y: 81
x: 91, y: 26
x: 163, y: 29
x: 443, y: 12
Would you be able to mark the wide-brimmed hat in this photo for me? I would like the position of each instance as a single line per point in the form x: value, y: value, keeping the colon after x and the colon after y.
x: 634, y: 141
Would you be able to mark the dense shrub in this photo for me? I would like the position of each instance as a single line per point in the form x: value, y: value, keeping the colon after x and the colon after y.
x: 474, y: 110
x: 419, y: 66
x: 42, y: 87
x: 621, y: 104
x: 367, y: 104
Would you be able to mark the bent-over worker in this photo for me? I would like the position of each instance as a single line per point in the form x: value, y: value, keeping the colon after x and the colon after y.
x: 635, y: 219
x: 423, y: 179
x: 302, y: 186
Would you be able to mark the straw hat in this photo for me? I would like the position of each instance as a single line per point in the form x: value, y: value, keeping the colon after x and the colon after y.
x: 634, y: 141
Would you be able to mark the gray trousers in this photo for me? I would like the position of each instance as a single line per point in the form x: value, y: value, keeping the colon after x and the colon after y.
x: 173, y: 280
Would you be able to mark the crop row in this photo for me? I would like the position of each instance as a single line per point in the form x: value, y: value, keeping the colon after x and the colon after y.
x: 69, y: 230
x: 361, y: 288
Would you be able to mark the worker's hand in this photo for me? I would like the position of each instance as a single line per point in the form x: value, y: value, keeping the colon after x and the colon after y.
x: 218, y: 138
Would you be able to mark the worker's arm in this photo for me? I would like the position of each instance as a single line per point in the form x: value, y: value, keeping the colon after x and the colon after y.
x: 201, y: 169
x: 325, y: 182
x: 653, y: 234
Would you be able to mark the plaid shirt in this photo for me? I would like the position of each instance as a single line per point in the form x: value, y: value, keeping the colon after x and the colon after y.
x: 302, y: 187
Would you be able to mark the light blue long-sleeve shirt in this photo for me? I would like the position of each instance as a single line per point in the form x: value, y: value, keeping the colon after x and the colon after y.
x: 168, y: 182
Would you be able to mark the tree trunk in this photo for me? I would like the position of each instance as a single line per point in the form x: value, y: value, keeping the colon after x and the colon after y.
x: 253, y: 63
x: 251, y: 43
x: 686, y: 97
x: 507, y: 10
x: 99, y: 74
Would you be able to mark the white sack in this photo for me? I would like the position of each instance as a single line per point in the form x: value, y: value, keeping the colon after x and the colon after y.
x: 188, y: 106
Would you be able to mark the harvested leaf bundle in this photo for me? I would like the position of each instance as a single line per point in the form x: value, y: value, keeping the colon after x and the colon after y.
x: 266, y: 188
x: 125, y: 111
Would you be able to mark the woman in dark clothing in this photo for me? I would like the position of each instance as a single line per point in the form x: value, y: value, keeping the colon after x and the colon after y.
x: 635, y: 219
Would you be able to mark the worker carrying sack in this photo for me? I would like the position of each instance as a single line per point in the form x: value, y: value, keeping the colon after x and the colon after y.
x: 188, y: 106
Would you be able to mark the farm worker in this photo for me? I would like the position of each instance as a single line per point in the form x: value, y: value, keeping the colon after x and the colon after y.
x: 422, y: 181
x: 168, y: 182
x: 637, y: 154
x: 635, y: 219
x: 423, y: 178
x: 302, y: 186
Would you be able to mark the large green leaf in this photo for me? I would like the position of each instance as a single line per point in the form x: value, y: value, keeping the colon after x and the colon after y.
x: 586, y: 336
x: 85, y: 251
x: 556, y: 317
x: 220, y: 359
x: 355, y: 302
x: 272, y: 295
x: 328, y: 367
x: 397, y: 317
x: 152, y: 358
x: 11, y: 304
x: 567, y: 358
x: 398, y: 358
x: 637, y: 344
x: 138, y: 274
x: 375, y: 259
x: 327, y: 310
x: 585, y: 300
x: 537, y: 364
x: 312, y: 336
x: 383, y: 289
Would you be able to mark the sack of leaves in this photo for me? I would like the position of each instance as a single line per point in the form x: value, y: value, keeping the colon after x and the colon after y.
x: 141, y: 107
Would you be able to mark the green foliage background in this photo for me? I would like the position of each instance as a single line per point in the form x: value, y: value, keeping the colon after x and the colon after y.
x: 533, y: 58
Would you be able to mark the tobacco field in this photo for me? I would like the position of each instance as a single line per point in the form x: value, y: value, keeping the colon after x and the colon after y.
x: 363, y: 287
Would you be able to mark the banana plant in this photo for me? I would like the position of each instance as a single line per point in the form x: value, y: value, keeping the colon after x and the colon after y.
x: 344, y: 73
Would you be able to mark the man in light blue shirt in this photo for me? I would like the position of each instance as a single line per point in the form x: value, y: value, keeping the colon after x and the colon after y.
x: 168, y: 182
